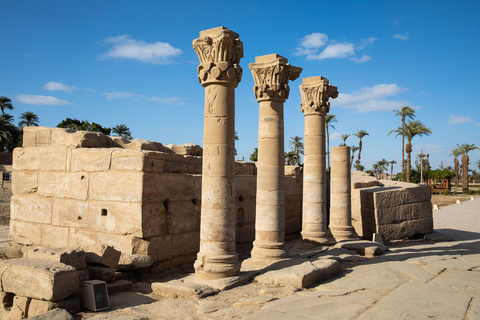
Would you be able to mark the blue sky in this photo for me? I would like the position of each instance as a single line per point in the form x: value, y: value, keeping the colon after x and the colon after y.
x: 132, y: 62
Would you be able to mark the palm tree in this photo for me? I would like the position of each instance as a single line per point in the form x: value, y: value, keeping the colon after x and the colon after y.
x: 122, y: 130
x: 391, y: 168
x: 465, y: 149
x: 404, y: 112
x: 290, y: 158
x: 254, y: 155
x: 6, y: 137
x: 381, y: 166
x: 353, y: 149
x: 297, y: 145
x: 329, y: 119
x: 360, y: 134
x: 455, y: 153
x: 478, y: 164
x: 344, y: 138
x: 5, y: 103
x: 28, y: 119
x: 412, y: 129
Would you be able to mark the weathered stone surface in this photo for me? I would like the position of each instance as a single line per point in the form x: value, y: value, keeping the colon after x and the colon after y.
x: 54, y: 236
x: 27, y: 233
x: 32, y: 208
x: 438, y: 236
x: 253, y: 301
x: 71, y: 185
x: 137, y: 160
x: 116, y: 186
x: 406, y: 229
x: 245, y: 168
x: 364, y: 248
x: 186, y: 149
x: 410, y: 211
x: 56, y: 314
x: 40, y: 159
x: 39, y: 307
x: 299, y: 273
x: 19, y: 308
x: 71, y: 213
x: 395, y: 196
x: 183, y: 216
x: 171, y: 186
x: 38, y: 279
x: 13, y: 250
x: 24, y: 182
x: 91, y: 159
x: 116, y: 217
x: 74, y: 257
x: 119, y: 286
x: 97, y: 272
x: 134, y: 261
x: 83, y: 275
x: 180, y: 289
x: 102, y: 254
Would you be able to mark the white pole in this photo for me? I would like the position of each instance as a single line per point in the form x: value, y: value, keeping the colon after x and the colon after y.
x: 421, y: 167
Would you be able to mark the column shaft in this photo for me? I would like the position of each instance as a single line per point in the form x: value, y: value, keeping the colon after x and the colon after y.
x: 314, y: 221
x: 340, y: 192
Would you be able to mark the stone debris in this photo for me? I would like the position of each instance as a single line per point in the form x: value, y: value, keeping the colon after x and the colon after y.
x: 134, y: 261
x: 38, y: 307
x: 180, y: 289
x: 38, y: 279
x: 97, y: 272
x: 363, y: 247
x: 438, y: 236
x: 74, y: 257
x: 56, y: 314
x: 102, y: 254
x: 299, y: 273
x: 186, y: 149
x: 119, y: 286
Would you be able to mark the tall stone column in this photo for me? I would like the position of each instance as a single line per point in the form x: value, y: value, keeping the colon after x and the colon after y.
x: 340, y: 195
x: 271, y: 74
x: 315, y: 93
x: 219, y: 50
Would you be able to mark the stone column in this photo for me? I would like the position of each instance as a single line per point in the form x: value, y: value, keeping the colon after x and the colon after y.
x: 340, y: 195
x: 271, y: 74
x: 219, y: 50
x: 315, y: 93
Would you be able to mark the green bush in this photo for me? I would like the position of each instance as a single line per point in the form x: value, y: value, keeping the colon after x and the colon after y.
x: 447, y: 193
x: 455, y: 193
x: 470, y: 192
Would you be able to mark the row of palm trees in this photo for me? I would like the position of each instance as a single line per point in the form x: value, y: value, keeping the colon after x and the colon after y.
x: 463, y: 150
x: 359, y: 134
x: 408, y: 131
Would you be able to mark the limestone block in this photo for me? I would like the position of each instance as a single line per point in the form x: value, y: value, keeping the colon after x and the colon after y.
x: 70, y: 213
x: 83, y: 275
x: 194, y: 164
x: 74, y: 257
x: 245, y: 233
x: 134, y: 261
x: 136, y: 160
x: 183, y: 216
x: 186, y: 149
x: 55, y: 314
x: 162, y: 148
x: 40, y: 307
x: 293, y: 225
x: 245, y: 210
x: 180, y: 289
x: 175, y: 167
x: 364, y: 248
x: 84, y: 237
x: 13, y: 250
x: 71, y: 185
x: 97, y: 272
x: 406, y: 229
x: 154, y: 219
x: 171, y: 186
x: 116, y: 186
x: 293, y: 186
x: 395, y: 196
x: 159, y: 248
x: 185, y: 243
x: 292, y: 171
x: 91, y: 159
x: 137, y: 144
x: 293, y: 206
x: 404, y: 212
x: 32, y: 208
x: 6, y: 303
x: 116, y: 217
x: 19, y: 308
x: 24, y: 182
x: 40, y: 158
x: 27, y: 233
x: 29, y: 135
x: 38, y: 279
x: 119, y: 286
x: 54, y: 236
x: 245, y: 168
x: 245, y: 186
x: 102, y: 254
x: 299, y: 273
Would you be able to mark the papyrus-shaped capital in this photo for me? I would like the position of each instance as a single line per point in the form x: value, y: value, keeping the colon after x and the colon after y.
x: 271, y: 74
x: 316, y: 91
x: 219, y: 51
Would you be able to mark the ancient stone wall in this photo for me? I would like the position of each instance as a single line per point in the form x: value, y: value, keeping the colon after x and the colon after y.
x: 80, y: 188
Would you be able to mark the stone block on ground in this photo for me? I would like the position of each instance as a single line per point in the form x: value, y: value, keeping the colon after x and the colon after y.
x: 364, y: 248
x: 38, y: 279
x: 97, y: 272
x: 134, y: 261
x: 56, y: 314
x: 74, y: 257
x: 19, y: 309
x: 438, y: 236
x: 102, y: 254
x: 180, y: 289
x: 83, y: 275
x: 186, y: 149
x: 223, y: 283
x: 13, y: 250
x: 119, y: 286
x: 39, y: 307
x: 299, y: 273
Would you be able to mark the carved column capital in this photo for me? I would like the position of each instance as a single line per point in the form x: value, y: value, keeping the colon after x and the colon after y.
x: 271, y: 74
x: 315, y: 93
x: 219, y: 50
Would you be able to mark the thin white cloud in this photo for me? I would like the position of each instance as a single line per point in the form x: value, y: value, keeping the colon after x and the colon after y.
x: 41, y: 100
x: 403, y: 37
x: 336, y: 136
x: 429, y: 148
x: 458, y: 119
x: 364, y: 58
x: 311, y: 46
x: 124, y: 47
x: 373, y: 98
x: 58, y: 86
x: 128, y: 95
